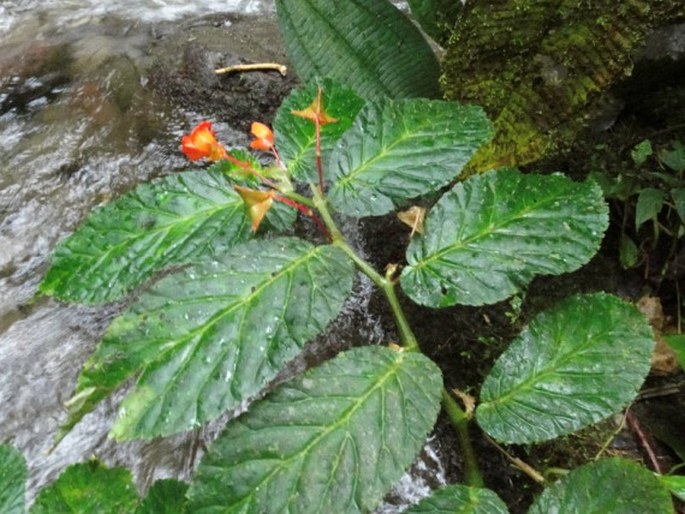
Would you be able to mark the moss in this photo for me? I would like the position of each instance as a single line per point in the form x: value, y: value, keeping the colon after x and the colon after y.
x: 539, y: 68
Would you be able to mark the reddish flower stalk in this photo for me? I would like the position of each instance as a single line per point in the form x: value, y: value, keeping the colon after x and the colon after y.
x: 317, y: 113
x: 306, y: 211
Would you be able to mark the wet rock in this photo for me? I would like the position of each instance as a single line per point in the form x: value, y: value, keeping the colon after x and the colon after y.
x: 184, y: 63
x: 31, y: 72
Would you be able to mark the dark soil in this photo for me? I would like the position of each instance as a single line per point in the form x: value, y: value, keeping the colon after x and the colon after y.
x: 464, y: 341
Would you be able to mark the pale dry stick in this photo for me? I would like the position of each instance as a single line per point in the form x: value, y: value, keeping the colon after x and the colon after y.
x: 518, y: 463
x: 609, y: 440
x: 262, y: 66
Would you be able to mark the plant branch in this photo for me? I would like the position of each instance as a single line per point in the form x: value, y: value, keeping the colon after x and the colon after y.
x: 407, y: 338
x: 460, y: 421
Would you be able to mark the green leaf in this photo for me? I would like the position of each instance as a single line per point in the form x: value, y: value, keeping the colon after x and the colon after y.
x: 87, y: 488
x: 489, y: 236
x: 677, y: 344
x: 400, y: 149
x: 213, y: 335
x: 675, y: 158
x: 13, y: 476
x: 335, y: 439
x: 641, y: 152
x: 436, y: 17
x: 678, y: 196
x: 368, y: 45
x: 577, y: 363
x: 649, y: 204
x: 295, y: 136
x: 628, y: 252
x: 675, y: 484
x: 164, y: 497
x: 460, y: 499
x: 616, y: 486
x: 169, y: 221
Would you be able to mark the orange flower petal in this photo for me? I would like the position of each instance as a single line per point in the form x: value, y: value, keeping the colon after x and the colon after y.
x: 201, y: 142
x: 264, y: 137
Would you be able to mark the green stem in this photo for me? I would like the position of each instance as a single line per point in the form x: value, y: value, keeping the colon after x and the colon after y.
x: 408, y: 340
x: 460, y: 421
x: 299, y: 198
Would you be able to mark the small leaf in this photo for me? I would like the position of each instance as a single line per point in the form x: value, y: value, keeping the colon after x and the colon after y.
x: 460, y: 499
x: 333, y: 440
x: 628, y: 252
x: 641, y: 152
x: 616, y: 486
x: 675, y: 158
x: 397, y: 150
x: 368, y: 45
x: 677, y: 344
x: 675, y: 484
x: 490, y: 235
x: 649, y: 204
x: 13, y: 476
x: 213, y: 335
x: 169, y: 221
x: 87, y: 488
x: 577, y: 363
x: 296, y: 137
x: 678, y: 196
x: 164, y: 497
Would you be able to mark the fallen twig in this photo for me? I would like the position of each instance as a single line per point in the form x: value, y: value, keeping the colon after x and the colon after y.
x: 264, y: 66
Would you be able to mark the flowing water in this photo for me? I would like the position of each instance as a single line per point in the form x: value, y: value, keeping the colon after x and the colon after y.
x: 77, y: 127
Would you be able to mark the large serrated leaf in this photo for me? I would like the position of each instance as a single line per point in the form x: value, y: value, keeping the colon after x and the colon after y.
x: 296, y: 136
x: 214, y: 335
x: 164, y: 497
x: 367, y: 44
x: 333, y: 440
x: 615, y: 486
x: 460, y: 499
x: 169, y: 221
x: 400, y: 149
x: 13, y: 476
x: 87, y: 488
x: 576, y: 364
x: 490, y: 235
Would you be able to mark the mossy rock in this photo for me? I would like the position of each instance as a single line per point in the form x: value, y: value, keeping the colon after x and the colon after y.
x: 540, y: 67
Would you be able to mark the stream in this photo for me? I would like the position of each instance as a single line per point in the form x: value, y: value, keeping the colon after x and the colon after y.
x: 79, y: 125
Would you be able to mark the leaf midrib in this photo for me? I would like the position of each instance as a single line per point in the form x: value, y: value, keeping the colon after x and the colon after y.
x: 549, y: 370
x: 344, y: 418
x: 488, y: 231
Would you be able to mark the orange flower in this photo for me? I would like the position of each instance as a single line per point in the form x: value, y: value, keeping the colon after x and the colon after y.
x: 202, y: 143
x: 257, y: 202
x: 315, y: 111
x: 264, y: 138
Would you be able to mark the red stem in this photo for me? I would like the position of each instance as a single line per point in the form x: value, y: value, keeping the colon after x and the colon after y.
x: 634, y: 425
x: 246, y: 166
x: 306, y: 211
x: 319, y: 166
